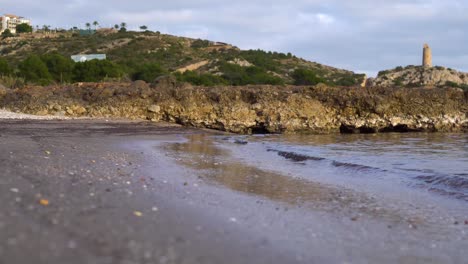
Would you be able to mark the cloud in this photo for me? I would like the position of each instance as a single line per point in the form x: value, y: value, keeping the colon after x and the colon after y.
x: 361, y: 35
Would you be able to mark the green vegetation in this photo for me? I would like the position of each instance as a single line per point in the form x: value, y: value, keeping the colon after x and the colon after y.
x: 33, y: 69
x: 23, y: 28
x: 457, y: 85
x: 7, y: 34
x: 96, y: 70
x: 238, y: 75
x: 53, y: 67
x: 202, y: 79
x: 306, y: 77
x: 5, y: 68
x: 149, y: 72
x: 199, y: 43
x: 60, y: 67
x: 147, y: 55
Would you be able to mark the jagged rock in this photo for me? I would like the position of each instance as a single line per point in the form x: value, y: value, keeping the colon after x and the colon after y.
x: 416, y: 76
x: 3, y: 90
x: 79, y: 110
x: 259, y: 109
x: 167, y: 81
x: 154, y: 109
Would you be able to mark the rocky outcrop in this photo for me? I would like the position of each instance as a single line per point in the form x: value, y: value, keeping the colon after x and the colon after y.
x: 413, y: 76
x: 254, y: 109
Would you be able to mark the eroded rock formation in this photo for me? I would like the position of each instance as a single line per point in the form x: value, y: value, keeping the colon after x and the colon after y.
x: 253, y: 109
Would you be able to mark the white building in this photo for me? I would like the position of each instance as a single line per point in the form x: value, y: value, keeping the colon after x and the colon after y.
x: 10, y: 22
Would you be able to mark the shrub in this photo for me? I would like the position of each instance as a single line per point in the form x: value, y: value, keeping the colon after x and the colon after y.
x: 451, y: 84
x: 306, y: 77
x: 149, y: 72
x: 5, y: 68
x: 7, y: 34
x: 205, y: 79
x: 199, y: 43
x: 96, y: 70
x: 60, y: 67
x: 23, y: 28
x: 382, y: 73
x: 238, y: 75
x: 33, y: 69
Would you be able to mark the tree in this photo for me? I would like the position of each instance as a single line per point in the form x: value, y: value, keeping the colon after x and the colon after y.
x: 88, y: 26
x: 123, y: 27
x: 116, y: 26
x: 143, y: 28
x: 149, y: 72
x: 7, y: 34
x: 306, y: 77
x: 60, y: 67
x: 5, y: 68
x: 95, y: 24
x: 96, y: 70
x: 23, y: 28
x: 33, y: 69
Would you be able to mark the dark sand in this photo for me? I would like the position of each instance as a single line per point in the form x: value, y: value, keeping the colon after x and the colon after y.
x: 144, y: 193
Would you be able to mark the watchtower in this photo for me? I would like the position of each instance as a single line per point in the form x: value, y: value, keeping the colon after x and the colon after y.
x: 427, y: 56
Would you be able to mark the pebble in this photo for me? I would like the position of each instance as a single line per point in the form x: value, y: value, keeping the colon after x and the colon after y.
x: 138, y: 213
x: 15, y: 190
x: 44, y: 202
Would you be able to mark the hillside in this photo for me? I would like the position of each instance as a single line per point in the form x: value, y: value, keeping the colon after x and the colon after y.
x: 418, y: 76
x: 198, y: 61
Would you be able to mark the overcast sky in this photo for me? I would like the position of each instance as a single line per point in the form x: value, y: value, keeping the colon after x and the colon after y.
x: 359, y: 35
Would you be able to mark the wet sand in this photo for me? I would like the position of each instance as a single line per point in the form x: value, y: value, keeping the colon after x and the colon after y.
x: 106, y: 192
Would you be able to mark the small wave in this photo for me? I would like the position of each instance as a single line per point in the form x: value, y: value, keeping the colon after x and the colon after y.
x: 353, y: 166
x: 452, y: 181
x: 296, y: 157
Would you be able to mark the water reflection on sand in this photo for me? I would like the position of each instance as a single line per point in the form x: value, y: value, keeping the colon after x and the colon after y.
x: 214, y: 164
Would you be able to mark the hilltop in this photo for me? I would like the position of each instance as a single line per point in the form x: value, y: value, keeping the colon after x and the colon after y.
x: 200, y: 62
x: 419, y: 76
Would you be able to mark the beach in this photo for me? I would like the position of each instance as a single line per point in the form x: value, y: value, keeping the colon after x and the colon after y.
x: 97, y: 191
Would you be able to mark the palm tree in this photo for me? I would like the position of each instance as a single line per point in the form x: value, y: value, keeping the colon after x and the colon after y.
x: 95, y: 24
x: 143, y: 27
x: 88, y: 26
x: 123, y: 25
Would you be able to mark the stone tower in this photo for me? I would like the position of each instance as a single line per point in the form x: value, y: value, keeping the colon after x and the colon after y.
x: 427, y: 56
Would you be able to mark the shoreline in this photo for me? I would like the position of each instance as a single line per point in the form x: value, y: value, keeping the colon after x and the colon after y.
x: 142, y: 192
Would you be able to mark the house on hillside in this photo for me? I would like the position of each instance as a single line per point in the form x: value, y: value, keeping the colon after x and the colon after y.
x: 10, y: 22
x: 88, y: 57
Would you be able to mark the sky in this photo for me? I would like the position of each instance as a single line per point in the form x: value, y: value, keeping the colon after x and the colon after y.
x: 364, y: 36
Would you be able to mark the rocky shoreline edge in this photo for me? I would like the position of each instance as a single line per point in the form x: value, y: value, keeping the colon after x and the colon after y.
x: 252, y: 109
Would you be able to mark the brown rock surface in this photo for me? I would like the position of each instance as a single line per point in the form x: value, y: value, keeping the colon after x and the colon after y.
x: 255, y: 109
